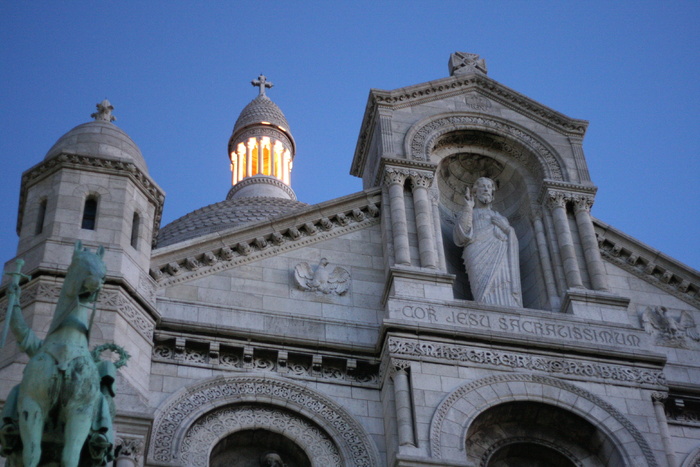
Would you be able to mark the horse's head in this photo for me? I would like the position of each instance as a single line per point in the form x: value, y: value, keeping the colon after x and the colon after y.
x: 86, y: 273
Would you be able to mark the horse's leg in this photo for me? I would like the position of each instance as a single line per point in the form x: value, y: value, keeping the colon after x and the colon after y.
x: 78, y: 401
x: 36, y: 393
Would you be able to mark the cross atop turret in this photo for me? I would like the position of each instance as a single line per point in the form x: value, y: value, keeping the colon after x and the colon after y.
x: 262, y: 83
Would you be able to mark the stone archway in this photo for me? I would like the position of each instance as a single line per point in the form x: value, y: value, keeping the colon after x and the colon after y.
x: 458, y: 411
x: 540, y: 156
x: 178, y: 418
x: 208, y: 431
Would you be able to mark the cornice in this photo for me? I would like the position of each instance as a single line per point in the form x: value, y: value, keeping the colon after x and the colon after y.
x: 568, y: 190
x: 93, y: 164
x: 648, y: 264
x: 454, y: 86
x: 221, y: 251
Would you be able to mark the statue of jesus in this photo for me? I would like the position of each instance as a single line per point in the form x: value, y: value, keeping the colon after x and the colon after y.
x: 490, y: 248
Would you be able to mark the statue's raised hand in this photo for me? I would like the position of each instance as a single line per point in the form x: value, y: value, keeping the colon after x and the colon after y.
x: 468, y: 199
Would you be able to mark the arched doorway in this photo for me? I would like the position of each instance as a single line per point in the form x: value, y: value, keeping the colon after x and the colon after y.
x: 535, y: 434
x: 252, y: 448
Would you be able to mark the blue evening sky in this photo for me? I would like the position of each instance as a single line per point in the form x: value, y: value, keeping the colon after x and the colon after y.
x: 178, y: 74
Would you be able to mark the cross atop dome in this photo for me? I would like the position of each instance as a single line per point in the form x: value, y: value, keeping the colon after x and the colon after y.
x: 262, y: 83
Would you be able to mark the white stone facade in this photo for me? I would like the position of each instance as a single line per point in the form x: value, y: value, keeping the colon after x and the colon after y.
x: 345, y: 334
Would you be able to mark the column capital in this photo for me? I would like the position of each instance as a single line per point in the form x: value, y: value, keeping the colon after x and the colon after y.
x: 659, y: 397
x: 398, y: 366
x: 421, y: 179
x: 395, y: 176
x: 556, y: 199
x: 583, y: 203
x: 129, y: 447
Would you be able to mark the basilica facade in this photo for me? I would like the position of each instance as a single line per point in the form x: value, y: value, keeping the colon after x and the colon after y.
x: 463, y: 309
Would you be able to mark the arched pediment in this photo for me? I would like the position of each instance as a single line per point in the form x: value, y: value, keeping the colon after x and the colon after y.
x: 455, y: 414
x: 181, y: 414
x: 539, y: 157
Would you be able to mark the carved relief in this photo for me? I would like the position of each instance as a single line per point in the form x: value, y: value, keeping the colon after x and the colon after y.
x: 322, y: 279
x: 208, y: 430
x: 462, y: 63
x: 393, y: 176
x: 668, y: 330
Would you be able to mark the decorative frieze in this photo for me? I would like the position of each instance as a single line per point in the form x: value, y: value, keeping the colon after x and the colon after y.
x: 513, y: 360
x: 231, y: 356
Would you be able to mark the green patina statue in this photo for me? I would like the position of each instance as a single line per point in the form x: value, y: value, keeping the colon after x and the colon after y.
x: 62, y: 411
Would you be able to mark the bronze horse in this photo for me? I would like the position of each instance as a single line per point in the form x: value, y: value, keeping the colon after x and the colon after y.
x: 64, y: 397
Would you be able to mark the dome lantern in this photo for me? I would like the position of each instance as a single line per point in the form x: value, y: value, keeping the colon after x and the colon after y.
x: 261, y: 146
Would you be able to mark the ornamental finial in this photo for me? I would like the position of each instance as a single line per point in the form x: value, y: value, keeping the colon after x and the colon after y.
x: 262, y: 83
x: 104, y: 112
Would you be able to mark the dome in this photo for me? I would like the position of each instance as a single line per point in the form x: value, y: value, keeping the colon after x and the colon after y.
x: 224, y: 215
x: 259, y: 110
x: 99, y: 139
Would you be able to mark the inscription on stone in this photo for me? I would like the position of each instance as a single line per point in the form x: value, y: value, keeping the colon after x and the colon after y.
x: 513, y: 324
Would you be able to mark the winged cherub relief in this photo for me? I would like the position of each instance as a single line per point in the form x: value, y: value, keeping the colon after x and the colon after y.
x: 670, y: 331
x: 323, y: 278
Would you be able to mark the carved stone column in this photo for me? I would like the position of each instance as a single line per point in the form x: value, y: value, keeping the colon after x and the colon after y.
x: 402, y: 396
x: 659, y: 399
x: 591, y: 251
x: 434, y: 198
x: 421, y: 181
x: 129, y: 452
x: 545, y: 261
x: 557, y: 203
x: 394, y: 179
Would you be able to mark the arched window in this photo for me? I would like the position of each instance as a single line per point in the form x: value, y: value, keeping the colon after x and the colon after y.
x: 41, y: 215
x: 135, y: 224
x: 90, y: 213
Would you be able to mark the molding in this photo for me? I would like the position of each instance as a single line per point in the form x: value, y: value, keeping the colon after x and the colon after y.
x: 94, y: 164
x: 517, y: 385
x: 180, y: 412
x: 648, y: 264
x: 262, y: 179
x: 179, y: 263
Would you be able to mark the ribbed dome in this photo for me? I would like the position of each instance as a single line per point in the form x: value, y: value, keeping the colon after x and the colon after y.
x: 224, y: 215
x: 99, y: 138
x: 261, y: 109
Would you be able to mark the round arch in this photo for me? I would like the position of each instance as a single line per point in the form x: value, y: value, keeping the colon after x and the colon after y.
x: 421, y: 137
x: 177, y: 416
x: 455, y: 414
